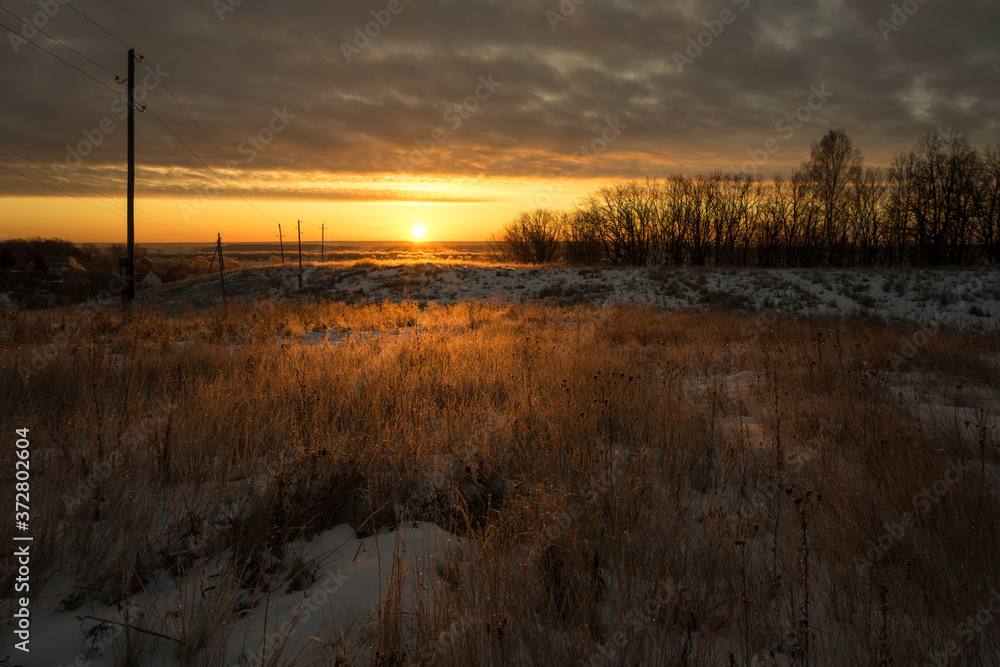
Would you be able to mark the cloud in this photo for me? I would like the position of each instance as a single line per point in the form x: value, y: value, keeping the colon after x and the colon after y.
x: 559, y: 86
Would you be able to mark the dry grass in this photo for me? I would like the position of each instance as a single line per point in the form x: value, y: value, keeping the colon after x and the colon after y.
x: 639, y: 487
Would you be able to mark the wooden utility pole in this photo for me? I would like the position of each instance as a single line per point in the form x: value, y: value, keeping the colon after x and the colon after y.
x: 130, y: 208
x: 300, y: 254
x: 222, y: 274
x: 322, y: 235
x: 218, y: 253
x: 282, y: 243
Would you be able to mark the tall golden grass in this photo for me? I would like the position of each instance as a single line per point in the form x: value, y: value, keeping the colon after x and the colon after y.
x: 637, y: 487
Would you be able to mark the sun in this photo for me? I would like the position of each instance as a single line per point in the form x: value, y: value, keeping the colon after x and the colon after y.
x: 418, y: 231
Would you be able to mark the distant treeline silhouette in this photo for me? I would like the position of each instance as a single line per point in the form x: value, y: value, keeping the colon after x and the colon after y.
x: 938, y: 204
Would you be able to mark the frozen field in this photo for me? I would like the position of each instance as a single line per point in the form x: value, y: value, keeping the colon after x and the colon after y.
x: 442, y: 464
x: 966, y: 299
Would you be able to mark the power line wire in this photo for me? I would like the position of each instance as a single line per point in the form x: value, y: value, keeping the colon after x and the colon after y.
x: 184, y: 109
x: 94, y: 204
x: 57, y: 41
x: 37, y: 46
x: 44, y: 173
x: 206, y: 165
x: 73, y: 186
x: 62, y: 192
x: 108, y: 32
x: 152, y: 114
x: 41, y: 169
x: 196, y: 123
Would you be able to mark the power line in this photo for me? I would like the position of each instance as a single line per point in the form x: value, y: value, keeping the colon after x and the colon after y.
x: 59, y: 42
x: 62, y: 192
x: 63, y: 61
x: 40, y: 168
x: 97, y: 205
x: 196, y: 123
x: 184, y: 109
x: 103, y: 207
x: 117, y: 80
x: 108, y: 32
x: 156, y: 117
x: 50, y: 176
x: 206, y: 165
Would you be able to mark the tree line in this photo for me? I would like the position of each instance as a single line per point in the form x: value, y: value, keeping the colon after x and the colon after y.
x: 937, y: 204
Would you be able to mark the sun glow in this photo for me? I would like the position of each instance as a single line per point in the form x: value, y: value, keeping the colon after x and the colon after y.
x: 418, y: 231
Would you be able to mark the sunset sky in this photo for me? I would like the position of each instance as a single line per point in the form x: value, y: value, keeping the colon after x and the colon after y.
x: 455, y: 114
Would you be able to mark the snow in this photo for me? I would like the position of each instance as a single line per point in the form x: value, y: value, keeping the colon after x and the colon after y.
x: 351, y: 578
x: 348, y: 578
x: 7, y: 303
x: 968, y: 299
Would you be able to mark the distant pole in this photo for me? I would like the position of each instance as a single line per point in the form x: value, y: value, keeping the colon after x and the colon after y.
x: 222, y: 275
x: 282, y: 242
x: 130, y: 214
x: 300, y: 254
x: 322, y: 235
x: 212, y: 263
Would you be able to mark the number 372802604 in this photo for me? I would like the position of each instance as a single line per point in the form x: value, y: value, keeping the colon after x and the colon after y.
x: 22, y: 472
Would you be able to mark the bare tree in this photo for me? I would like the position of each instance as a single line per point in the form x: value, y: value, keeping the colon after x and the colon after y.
x: 938, y: 203
x: 532, y: 237
x: 117, y: 250
x: 772, y: 220
x: 963, y: 187
x: 582, y: 239
x: 989, y: 205
x: 866, y: 195
x: 936, y: 186
x: 833, y: 164
x: 89, y: 250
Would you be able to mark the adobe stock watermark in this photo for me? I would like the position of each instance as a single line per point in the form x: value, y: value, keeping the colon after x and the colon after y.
x: 922, y: 503
x: 63, y: 340
x: 454, y: 118
x: 786, y: 127
x: 93, y: 138
x: 223, y: 7
x: 134, y: 437
x: 911, y: 346
x: 566, y: 9
x: 250, y: 148
x: 714, y: 28
x: 967, y: 630
x: 363, y: 36
x: 563, y: 521
x: 589, y: 152
x: 900, y: 16
x: 31, y: 26
x: 301, y: 613
x: 612, y: 652
x: 446, y: 639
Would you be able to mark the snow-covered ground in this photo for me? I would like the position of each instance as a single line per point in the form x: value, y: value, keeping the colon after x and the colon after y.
x: 966, y: 299
x: 346, y: 578
x: 344, y: 581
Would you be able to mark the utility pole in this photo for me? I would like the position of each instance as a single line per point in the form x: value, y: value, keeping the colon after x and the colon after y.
x: 222, y: 275
x: 130, y: 209
x: 322, y: 235
x: 300, y: 254
x: 282, y: 243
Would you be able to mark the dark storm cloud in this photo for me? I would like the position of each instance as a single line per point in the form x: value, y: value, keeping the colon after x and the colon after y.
x: 562, y: 72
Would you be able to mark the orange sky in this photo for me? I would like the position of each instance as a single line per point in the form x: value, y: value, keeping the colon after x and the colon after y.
x: 457, y: 115
x: 199, y: 219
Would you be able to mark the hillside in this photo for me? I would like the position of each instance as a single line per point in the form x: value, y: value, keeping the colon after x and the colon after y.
x: 962, y: 298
